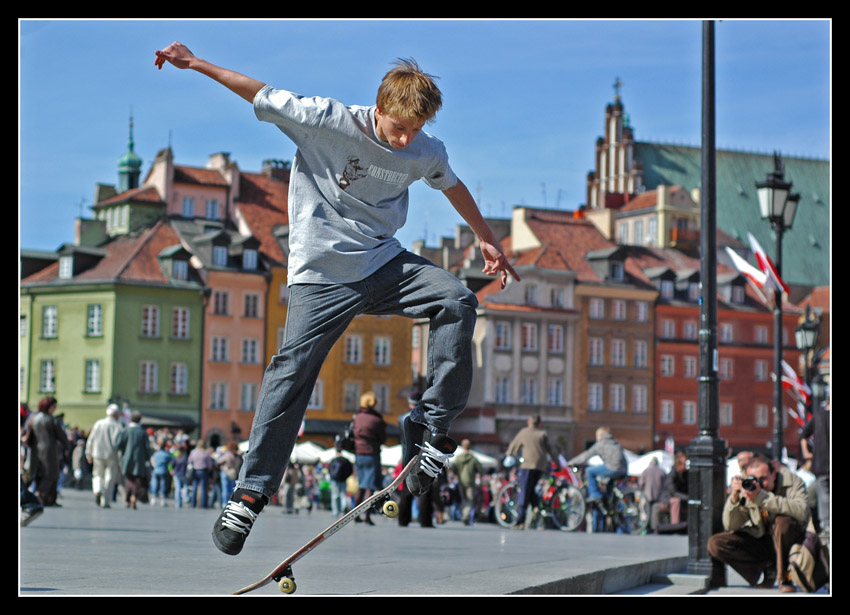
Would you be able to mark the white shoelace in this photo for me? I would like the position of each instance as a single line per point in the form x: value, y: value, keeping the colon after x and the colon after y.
x: 235, y: 514
x: 432, y: 460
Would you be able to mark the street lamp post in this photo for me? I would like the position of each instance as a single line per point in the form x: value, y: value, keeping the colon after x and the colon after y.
x: 807, y: 334
x: 778, y: 206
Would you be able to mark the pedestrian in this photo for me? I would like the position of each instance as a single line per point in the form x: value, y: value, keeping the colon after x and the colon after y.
x: 348, y: 197
x: 817, y: 428
x: 49, y: 442
x: 532, y: 443
x: 102, y: 453
x: 468, y: 470
x: 201, y: 466
x: 180, y: 463
x: 134, y: 446
x: 339, y: 469
x: 370, y: 433
x: 229, y: 464
x: 160, y: 473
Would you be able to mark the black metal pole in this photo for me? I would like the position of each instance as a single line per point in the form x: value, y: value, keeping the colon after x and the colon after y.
x: 777, y: 349
x: 707, y: 452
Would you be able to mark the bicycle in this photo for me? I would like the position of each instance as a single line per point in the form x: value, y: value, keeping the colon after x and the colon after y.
x: 561, y: 501
x: 623, y: 508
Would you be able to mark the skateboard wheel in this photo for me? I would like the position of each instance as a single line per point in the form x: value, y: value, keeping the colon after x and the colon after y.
x: 286, y: 585
x: 390, y: 509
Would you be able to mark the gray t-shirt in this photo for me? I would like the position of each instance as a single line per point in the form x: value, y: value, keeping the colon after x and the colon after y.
x: 348, y: 190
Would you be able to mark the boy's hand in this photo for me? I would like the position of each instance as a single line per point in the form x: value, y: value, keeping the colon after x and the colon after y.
x: 176, y: 53
x: 495, y: 263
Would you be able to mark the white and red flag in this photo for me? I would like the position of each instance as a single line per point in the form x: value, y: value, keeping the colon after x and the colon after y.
x: 766, y: 265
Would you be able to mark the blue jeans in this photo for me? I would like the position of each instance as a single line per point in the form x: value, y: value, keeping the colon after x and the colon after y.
x: 599, y: 471
x: 408, y: 285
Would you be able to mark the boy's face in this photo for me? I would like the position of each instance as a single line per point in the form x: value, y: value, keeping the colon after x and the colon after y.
x: 397, y: 133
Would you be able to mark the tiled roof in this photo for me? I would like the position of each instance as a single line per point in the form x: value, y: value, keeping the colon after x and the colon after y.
x: 128, y: 258
x: 263, y: 203
x: 806, y: 247
x: 141, y: 194
x: 198, y: 175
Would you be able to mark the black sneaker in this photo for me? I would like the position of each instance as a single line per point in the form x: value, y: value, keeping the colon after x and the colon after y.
x: 235, y: 521
x: 434, y: 452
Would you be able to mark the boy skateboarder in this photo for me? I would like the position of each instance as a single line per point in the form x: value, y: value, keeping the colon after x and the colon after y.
x: 348, y: 196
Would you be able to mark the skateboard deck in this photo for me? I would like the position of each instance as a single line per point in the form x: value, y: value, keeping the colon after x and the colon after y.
x: 380, y: 500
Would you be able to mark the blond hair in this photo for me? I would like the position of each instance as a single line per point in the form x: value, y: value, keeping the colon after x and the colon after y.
x: 406, y: 92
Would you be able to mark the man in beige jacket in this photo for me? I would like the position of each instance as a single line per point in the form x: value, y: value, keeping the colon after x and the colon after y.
x: 533, y: 443
x: 765, y: 514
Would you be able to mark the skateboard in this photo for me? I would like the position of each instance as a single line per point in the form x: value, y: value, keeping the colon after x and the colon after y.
x: 380, y: 501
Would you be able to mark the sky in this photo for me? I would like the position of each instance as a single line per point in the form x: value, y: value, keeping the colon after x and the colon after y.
x: 523, y: 100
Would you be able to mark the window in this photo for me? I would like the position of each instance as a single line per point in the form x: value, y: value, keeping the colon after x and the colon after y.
x: 556, y: 297
x: 531, y: 294
x: 317, y: 398
x: 178, y: 381
x: 690, y: 367
x: 639, y: 238
x: 219, y: 349
x: 351, y: 399
x: 618, y: 309
x: 382, y: 392
x: 641, y: 357
x: 250, y: 351
x: 252, y: 305
x: 47, y: 380
x: 667, y: 289
x: 249, y: 259
x: 503, y: 336
x: 529, y: 336
x: 616, y: 271
x: 150, y: 321
x: 761, y: 370
x: 690, y: 330
x: 50, y: 321
x: 218, y: 396
x: 642, y: 311
x: 618, y: 352
x: 762, y: 335
x: 640, y: 397
x: 597, y: 351
x: 738, y: 294
x: 666, y: 414
x: 180, y: 323
x: 555, y: 392
x: 694, y: 291
x: 180, y: 270
x: 92, y: 383
x: 668, y: 363
x: 354, y: 351
x: 212, y: 209
x: 727, y: 333
x: 382, y: 350
x: 66, y: 267
x: 220, y: 256
x: 94, y: 320
x: 762, y: 415
x: 188, y: 207
x: 725, y: 414
x: 221, y: 303
x: 248, y: 397
x: 727, y: 369
x: 503, y: 390
x: 623, y: 232
x: 618, y: 398
x: 555, y: 339
x: 415, y: 337
x: 668, y: 329
x: 651, y: 231
x: 148, y: 377
x: 597, y: 308
x: 529, y: 390
x: 689, y: 413
x: 594, y: 396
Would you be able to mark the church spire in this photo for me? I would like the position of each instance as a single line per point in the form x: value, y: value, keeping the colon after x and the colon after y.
x: 129, y: 165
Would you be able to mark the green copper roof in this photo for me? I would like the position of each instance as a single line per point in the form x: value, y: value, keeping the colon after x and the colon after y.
x: 805, y: 247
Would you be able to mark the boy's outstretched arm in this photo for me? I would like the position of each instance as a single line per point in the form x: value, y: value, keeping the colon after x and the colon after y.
x: 495, y: 261
x: 179, y: 55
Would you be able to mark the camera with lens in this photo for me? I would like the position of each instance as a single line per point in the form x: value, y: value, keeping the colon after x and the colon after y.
x: 750, y: 483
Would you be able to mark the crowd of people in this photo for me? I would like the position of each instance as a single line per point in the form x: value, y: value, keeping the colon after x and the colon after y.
x: 769, y: 508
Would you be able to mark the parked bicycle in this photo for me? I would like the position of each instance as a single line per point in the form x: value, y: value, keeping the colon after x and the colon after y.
x: 561, y: 501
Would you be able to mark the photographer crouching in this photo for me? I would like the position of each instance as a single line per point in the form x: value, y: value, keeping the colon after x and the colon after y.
x: 765, y: 514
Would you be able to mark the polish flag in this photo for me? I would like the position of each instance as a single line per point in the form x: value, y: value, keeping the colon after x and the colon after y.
x: 791, y: 380
x: 767, y: 266
x: 756, y: 277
